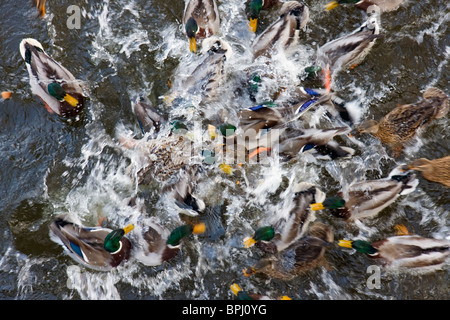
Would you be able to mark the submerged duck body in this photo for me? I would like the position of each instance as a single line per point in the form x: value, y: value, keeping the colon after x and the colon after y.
x: 283, y: 32
x: 97, y: 248
x: 243, y: 295
x: 50, y: 81
x: 401, y: 124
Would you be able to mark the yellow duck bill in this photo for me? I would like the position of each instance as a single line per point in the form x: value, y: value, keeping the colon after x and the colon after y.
x: 192, y: 45
x: 248, y: 242
x: 331, y: 5
x: 345, y: 243
x: 253, y: 24
x: 128, y: 228
x: 316, y: 206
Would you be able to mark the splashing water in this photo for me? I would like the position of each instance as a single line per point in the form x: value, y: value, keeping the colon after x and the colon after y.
x: 132, y: 48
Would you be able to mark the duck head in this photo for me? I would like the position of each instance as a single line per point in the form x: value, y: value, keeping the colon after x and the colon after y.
x: 183, y: 231
x: 369, y: 126
x: 191, y: 28
x: 58, y: 92
x: 112, y: 241
x: 262, y: 234
x: 359, y: 245
x: 255, y: 9
x: 329, y: 203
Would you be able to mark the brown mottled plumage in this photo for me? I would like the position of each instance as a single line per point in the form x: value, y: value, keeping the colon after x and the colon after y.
x: 304, y: 255
x: 401, y: 124
x: 436, y: 170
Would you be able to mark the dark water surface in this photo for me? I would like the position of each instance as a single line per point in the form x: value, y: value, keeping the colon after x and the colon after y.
x: 127, y: 48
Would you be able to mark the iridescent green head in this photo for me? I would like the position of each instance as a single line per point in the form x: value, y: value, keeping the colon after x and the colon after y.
x: 112, y: 240
x: 191, y: 28
x: 58, y: 92
x: 262, y: 234
x: 183, y: 231
x: 255, y: 8
x: 329, y: 203
x: 227, y: 129
x: 359, y: 245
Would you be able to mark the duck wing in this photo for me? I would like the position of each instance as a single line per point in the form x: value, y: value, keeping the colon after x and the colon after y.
x: 83, y: 244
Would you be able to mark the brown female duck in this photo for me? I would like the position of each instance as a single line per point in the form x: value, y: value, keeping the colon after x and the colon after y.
x: 401, y: 124
x: 436, y: 170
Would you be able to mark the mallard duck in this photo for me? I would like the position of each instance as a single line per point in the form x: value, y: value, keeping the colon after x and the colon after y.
x: 436, y: 170
x: 270, y: 115
x: 208, y: 73
x: 40, y: 5
x: 181, y: 191
x: 405, y: 251
x: 97, y: 247
x: 283, y: 32
x: 255, y: 8
x: 305, y: 254
x: 156, y: 245
x: 148, y: 118
x: 242, y: 295
x: 54, y: 84
x: 289, y: 142
x: 384, y: 5
x: 163, y: 156
x: 402, y: 123
x: 365, y: 199
x: 346, y: 51
x: 318, y: 142
x: 291, y: 224
x: 201, y: 20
